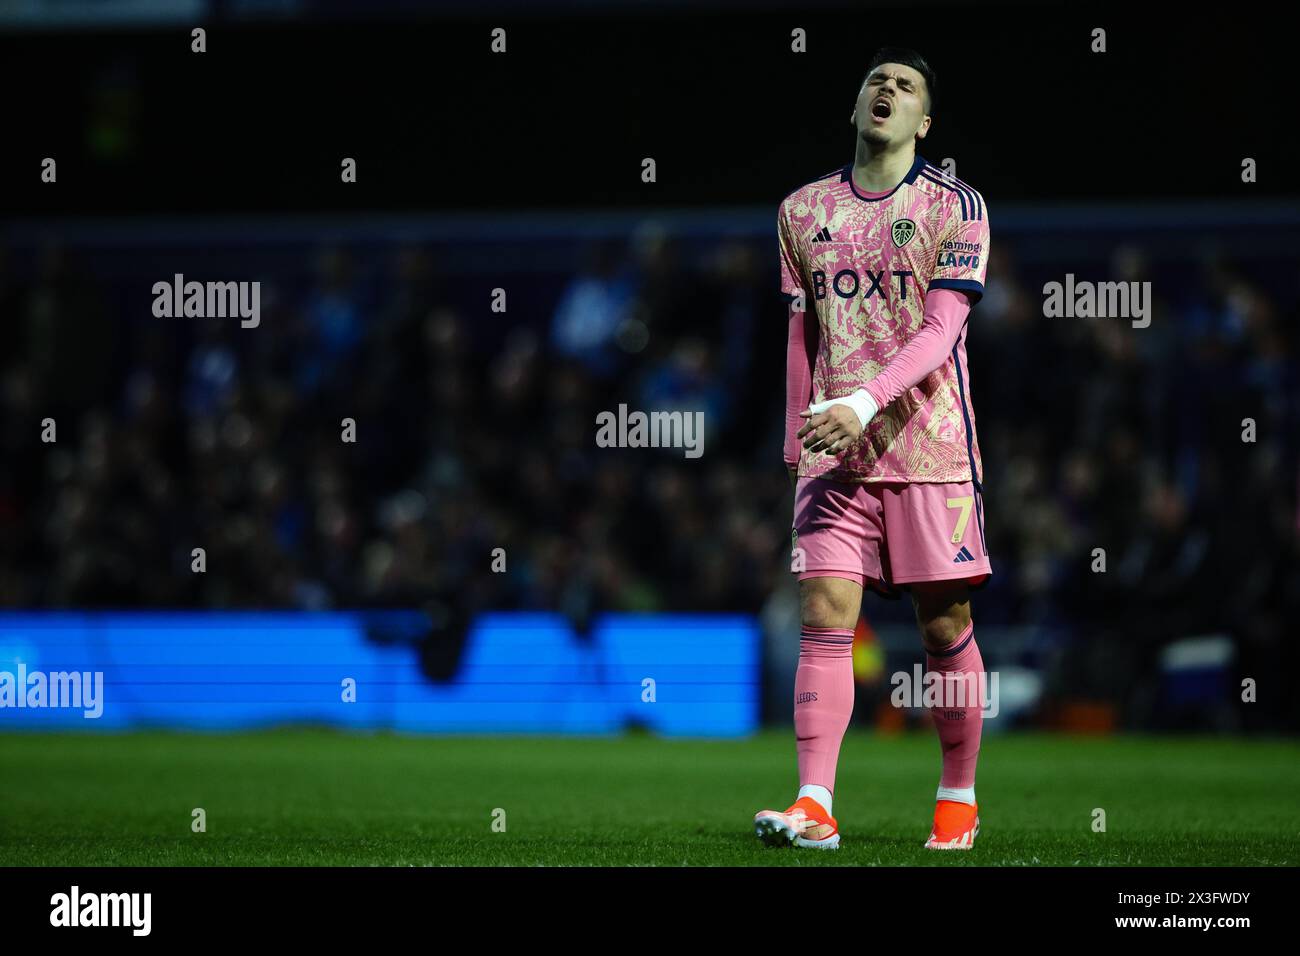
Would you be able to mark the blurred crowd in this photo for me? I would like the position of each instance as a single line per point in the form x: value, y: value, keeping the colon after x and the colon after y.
x: 175, y: 434
x: 475, y: 431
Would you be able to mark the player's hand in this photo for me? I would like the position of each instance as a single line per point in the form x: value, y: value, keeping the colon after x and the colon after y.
x: 831, y: 431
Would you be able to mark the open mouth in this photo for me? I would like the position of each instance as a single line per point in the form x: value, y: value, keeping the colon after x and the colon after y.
x: 882, y: 109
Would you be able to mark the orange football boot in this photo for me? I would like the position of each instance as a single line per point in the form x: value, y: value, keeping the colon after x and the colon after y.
x: 804, y: 824
x: 956, y: 825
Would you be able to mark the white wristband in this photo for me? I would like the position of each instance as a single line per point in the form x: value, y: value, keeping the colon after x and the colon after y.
x: 860, y: 401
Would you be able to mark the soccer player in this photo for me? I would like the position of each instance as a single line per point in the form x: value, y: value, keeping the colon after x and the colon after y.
x: 881, y: 261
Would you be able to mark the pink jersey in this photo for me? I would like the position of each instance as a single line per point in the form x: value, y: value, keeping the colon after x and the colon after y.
x: 864, y: 262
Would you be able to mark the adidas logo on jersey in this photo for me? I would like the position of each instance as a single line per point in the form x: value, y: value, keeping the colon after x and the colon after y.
x: 963, y: 555
x: 823, y: 235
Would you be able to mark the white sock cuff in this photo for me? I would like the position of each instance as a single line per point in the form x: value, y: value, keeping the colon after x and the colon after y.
x: 957, y: 794
x: 820, y: 794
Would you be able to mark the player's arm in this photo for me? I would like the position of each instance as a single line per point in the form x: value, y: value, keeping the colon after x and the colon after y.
x: 834, y: 424
x: 801, y: 343
x: 945, y: 316
x: 801, y: 346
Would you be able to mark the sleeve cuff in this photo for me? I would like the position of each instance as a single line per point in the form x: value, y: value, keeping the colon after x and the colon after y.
x: 971, y: 287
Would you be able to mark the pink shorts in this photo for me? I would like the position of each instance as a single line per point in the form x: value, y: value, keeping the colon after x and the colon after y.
x: 887, y: 534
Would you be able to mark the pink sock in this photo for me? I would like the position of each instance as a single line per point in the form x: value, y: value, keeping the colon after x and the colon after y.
x: 823, y: 701
x: 959, y: 727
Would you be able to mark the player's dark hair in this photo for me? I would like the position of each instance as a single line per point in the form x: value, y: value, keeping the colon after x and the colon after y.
x: 899, y: 54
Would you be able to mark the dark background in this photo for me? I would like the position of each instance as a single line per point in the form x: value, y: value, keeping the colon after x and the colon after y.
x: 436, y: 121
x: 522, y: 171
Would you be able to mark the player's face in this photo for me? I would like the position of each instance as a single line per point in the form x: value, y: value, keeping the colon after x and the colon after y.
x: 891, y: 106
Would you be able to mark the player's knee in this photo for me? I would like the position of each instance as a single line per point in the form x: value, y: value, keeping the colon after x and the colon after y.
x: 822, y: 606
x: 940, y: 631
x: 940, y: 628
x: 942, y: 613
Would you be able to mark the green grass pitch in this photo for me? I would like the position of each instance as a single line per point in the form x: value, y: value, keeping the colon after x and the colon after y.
x: 313, y: 797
